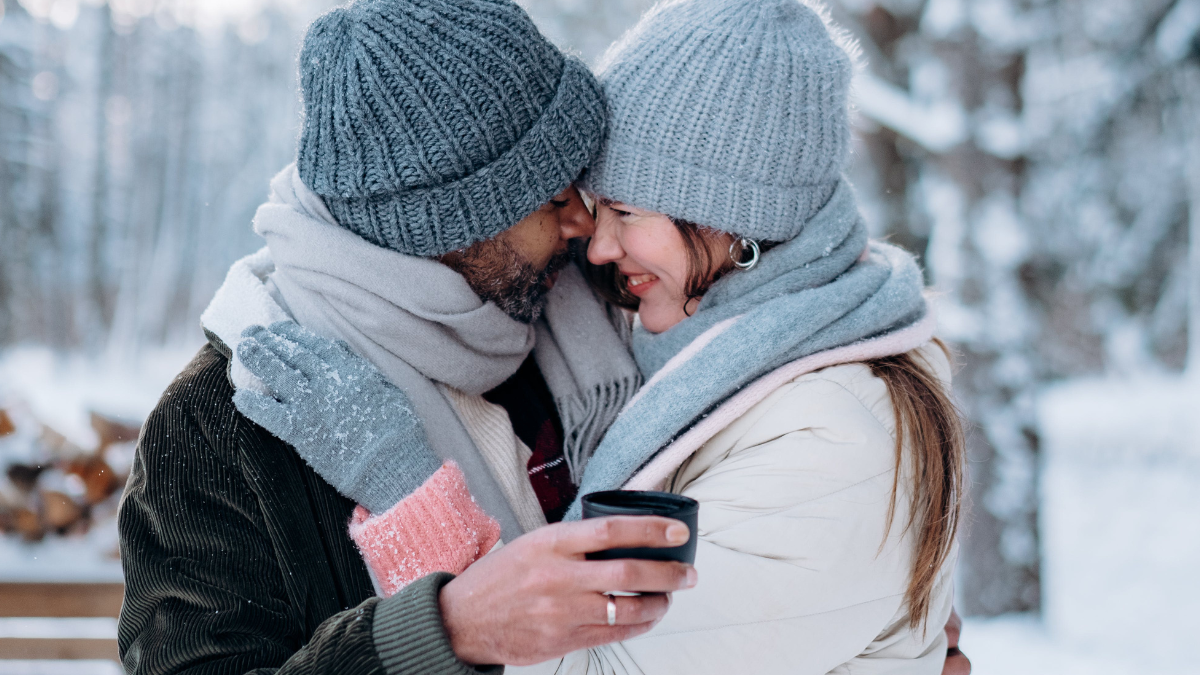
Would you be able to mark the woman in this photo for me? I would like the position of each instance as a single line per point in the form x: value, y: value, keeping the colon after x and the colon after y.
x: 794, y: 390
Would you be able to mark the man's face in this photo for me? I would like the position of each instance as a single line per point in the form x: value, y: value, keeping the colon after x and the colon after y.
x: 516, y: 268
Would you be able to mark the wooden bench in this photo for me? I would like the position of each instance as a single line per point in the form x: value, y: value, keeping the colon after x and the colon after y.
x: 65, y: 639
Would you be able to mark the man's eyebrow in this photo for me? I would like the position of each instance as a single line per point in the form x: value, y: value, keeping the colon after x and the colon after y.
x: 605, y: 201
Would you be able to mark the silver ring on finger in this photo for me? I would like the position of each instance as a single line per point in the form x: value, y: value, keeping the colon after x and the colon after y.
x: 612, y: 610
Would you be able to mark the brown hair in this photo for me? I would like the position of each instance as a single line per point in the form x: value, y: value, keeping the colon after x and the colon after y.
x: 927, y: 422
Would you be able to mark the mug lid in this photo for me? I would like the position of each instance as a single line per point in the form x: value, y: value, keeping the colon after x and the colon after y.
x: 639, y: 502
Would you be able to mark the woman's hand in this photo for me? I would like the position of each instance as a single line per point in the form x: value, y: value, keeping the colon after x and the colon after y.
x: 537, y: 598
x: 957, y: 663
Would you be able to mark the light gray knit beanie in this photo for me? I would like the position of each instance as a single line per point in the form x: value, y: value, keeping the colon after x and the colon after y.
x: 732, y: 114
x: 430, y: 125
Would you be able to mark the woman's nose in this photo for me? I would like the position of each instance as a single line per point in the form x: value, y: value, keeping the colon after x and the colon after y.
x: 604, y: 247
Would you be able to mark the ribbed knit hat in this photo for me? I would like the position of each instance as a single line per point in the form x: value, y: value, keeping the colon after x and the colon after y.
x: 728, y: 113
x: 430, y: 125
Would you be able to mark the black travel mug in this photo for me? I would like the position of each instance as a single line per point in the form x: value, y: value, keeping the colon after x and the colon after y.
x: 634, y: 503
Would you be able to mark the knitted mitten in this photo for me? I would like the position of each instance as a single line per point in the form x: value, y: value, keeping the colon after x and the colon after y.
x: 438, y: 528
x: 359, y: 433
x: 357, y: 430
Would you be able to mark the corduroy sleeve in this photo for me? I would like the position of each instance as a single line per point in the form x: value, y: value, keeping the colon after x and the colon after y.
x: 410, y: 636
x: 206, y: 591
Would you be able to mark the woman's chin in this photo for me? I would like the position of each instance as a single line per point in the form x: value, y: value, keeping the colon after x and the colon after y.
x: 658, y: 318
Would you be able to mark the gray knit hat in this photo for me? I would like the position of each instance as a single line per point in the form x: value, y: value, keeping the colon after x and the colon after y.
x: 430, y: 125
x: 728, y: 113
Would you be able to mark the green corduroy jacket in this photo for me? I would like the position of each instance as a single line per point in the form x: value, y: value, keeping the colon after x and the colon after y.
x: 237, y: 558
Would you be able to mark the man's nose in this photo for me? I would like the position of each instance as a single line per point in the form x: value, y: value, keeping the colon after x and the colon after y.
x: 575, y: 220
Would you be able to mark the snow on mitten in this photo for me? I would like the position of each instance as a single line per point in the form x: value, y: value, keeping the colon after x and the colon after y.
x: 356, y: 429
x: 438, y: 528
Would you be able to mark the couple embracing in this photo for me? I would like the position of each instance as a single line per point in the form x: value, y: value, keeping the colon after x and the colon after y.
x: 494, y: 283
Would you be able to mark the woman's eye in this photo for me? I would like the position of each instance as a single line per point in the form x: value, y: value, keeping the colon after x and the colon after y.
x: 560, y: 203
x: 621, y: 214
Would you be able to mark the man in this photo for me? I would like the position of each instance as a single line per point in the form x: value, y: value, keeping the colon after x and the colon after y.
x: 439, y: 145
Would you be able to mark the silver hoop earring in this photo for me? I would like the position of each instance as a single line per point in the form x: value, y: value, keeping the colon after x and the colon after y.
x: 743, y: 264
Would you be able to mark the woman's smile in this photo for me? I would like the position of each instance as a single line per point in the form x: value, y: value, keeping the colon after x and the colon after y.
x: 640, y: 284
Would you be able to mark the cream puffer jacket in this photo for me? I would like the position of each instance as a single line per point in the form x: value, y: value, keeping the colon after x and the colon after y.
x: 797, y: 570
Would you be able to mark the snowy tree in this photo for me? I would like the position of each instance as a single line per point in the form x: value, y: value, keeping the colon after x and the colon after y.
x: 1036, y: 151
x: 136, y: 140
x: 28, y: 176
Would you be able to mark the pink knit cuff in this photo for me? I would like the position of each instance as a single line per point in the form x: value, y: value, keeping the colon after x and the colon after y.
x: 437, y: 528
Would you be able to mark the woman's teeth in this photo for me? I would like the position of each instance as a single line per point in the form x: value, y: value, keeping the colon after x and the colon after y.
x: 639, y: 279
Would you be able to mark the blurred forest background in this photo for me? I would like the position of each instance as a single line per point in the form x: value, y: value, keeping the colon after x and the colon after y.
x: 1043, y: 157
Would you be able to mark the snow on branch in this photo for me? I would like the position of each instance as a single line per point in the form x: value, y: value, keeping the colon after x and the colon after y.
x: 936, y: 126
x: 1178, y: 30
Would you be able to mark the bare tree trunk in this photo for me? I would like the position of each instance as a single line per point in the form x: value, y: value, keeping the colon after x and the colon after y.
x: 1192, y: 112
x: 100, y: 287
x: 936, y: 191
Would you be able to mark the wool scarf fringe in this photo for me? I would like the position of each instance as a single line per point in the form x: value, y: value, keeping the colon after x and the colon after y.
x: 586, y: 418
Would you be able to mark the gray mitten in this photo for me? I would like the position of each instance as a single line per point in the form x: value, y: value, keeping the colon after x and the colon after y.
x: 354, y: 428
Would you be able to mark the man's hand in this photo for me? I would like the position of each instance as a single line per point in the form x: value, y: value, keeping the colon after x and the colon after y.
x: 957, y: 663
x: 537, y: 598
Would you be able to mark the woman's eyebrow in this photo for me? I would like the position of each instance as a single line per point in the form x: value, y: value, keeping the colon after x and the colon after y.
x: 605, y: 201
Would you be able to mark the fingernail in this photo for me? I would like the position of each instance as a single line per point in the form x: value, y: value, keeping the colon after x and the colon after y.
x: 692, y: 577
x: 677, y: 534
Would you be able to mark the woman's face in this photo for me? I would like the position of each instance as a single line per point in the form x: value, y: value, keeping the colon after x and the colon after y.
x: 650, y: 254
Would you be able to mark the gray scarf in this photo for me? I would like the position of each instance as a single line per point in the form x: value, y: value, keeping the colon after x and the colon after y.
x: 824, y: 289
x: 420, y: 323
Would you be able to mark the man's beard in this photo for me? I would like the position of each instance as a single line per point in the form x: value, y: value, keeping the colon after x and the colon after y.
x: 497, y: 272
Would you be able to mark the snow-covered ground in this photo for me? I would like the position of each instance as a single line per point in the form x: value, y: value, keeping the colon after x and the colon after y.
x: 1120, y: 511
x: 81, y: 667
x: 60, y: 390
x: 1120, y: 518
x: 1022, y: 645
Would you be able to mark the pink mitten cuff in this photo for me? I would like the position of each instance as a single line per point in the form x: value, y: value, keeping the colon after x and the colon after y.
x: 437, y: 528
